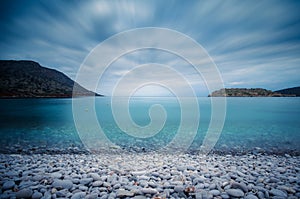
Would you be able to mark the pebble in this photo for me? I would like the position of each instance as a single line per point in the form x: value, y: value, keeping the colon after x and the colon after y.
x: 241, y: 186
x: 148, y: 191
x: 37, y: 195
x: 24, y: 193
x: 86, y: 181
x: 8, y: 185
x: 62, y: 193
x: 139, y: 197
x: 181, y: 168
x: 95, y: 176
x: 124, y: 193
x: 62, y: 184
x: 179, y: 188
x: 78, y: 195
x: 215, y: 192
x: 56, y: 175
x: 250, y: 196
x: 149, y: 175
x: 277, y: 192
x: 235, y: 192
x: 91, y: 196
x: 97, y: 184
x: 260, y: 195
x: 225, y: 196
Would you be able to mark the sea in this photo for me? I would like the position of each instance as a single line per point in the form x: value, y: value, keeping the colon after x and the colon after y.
x: 251, y: 125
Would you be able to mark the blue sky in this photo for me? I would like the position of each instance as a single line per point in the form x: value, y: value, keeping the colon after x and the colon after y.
x: 253, y: 43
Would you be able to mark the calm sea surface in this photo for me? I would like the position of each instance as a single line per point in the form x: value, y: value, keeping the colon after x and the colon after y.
x: 272, y: 124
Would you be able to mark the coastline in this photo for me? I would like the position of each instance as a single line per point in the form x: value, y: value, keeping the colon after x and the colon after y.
x: 149, y: 175
x: 80, y: 149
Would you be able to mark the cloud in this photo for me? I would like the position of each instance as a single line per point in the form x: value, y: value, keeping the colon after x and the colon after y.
x: 253, y: 43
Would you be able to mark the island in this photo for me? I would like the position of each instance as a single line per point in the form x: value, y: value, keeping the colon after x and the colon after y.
x: 28, y: 79
x: 252, y: 92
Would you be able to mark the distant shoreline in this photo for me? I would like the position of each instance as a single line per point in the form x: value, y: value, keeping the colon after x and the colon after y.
x: 255, y: 92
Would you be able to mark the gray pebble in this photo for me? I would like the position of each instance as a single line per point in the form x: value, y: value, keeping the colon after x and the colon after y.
x: 37, y: 195
x: 179, y: 188
x: 97, y: 184
x: 200, y: 179
x: 155, y: 174
x: 62, y: 184
x: 91, y: 196
x: 152, y: 184
x: 190, y: 167
x: 86, y: 181
x: 56, y: 175
x: 273, y: 180
x: 117, y: 186
x: 260, y: 195
x: 83, y: 188
x: 225, y: 196
x: 37, y: 178
x: 24, y: 193
x: 149, y: 191
x: 277, y: 192
x: 78, y: 195
x: 62, y: 193
x: 235, y: 192
x: 95, y: 176
x: 292, y: 179
x: 288, y: 189
x: 181, y: 168
x: 278, y: 197
x: 8, y: 185
x: 212, y: 186
x: 106, y: 184
x: 241, y: 186
x: 124, y: 193
x: 112, y: 195
x: 215, y: 192
x: 251, y: 196
x: 139, y: 197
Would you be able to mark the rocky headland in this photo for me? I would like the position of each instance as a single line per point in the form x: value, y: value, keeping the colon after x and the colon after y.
x: 250, y: 92
x: 28, y: 79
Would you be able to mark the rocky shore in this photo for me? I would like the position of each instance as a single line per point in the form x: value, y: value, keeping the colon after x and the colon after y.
x: 149, y: 175
x: 251, y: 92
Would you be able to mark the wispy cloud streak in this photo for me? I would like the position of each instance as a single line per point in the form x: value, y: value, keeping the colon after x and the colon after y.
x: 253, y: 43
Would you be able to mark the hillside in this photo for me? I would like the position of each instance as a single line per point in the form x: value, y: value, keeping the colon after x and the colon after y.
x: 290, y: 91
x: 248, y: 92
x: 28, y: 79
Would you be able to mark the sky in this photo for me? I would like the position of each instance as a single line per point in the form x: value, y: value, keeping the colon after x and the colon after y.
x: 252, y: 43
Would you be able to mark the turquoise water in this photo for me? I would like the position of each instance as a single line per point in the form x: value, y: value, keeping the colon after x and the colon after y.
x: 39, y: 125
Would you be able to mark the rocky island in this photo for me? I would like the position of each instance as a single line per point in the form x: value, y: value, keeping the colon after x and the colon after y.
x: 250, y: 92
x: 28, y: 79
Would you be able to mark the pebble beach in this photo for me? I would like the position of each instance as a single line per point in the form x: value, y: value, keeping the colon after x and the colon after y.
x: 149, y: 175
